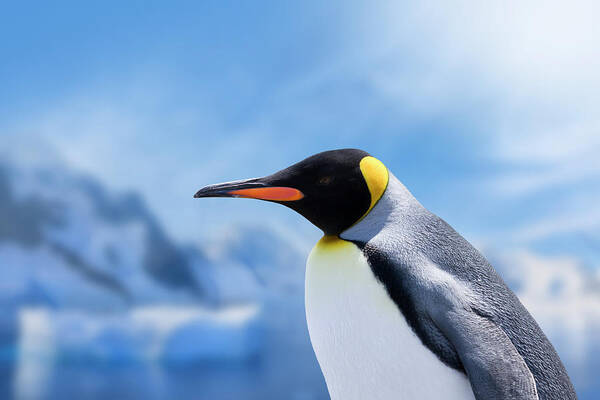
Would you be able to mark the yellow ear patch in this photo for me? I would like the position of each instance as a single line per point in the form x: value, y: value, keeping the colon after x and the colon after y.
x: 376, y: 175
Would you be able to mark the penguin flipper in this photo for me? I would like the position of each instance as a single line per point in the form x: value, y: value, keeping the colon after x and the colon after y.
x: 495, y: 368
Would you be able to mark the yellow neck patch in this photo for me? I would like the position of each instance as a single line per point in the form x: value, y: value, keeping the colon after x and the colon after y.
x: 376, y: 175
x: 331, y: 243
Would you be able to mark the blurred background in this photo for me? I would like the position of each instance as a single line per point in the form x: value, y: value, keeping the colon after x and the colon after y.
x: 116, y: 283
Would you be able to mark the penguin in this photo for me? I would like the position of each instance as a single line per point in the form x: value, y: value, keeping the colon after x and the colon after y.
x: 398, y: 304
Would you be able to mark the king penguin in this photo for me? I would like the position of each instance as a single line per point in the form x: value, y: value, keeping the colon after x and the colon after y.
x: 398, y: 304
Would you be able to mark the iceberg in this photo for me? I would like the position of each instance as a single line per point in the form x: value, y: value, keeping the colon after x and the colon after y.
x: 141, y: 334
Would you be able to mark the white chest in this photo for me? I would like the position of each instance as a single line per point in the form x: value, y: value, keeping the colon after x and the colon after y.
x: 364, y: 346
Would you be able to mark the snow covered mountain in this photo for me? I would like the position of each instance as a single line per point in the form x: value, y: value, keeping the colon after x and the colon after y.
x: 81, y: 247
x: 89, y: 275
x: 69, y: 242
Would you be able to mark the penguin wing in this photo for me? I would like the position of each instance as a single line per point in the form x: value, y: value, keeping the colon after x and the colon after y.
x: 495, y: 368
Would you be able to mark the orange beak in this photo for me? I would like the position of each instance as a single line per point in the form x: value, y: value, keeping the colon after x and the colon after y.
x: 276, y: 193
x: 251, y: 189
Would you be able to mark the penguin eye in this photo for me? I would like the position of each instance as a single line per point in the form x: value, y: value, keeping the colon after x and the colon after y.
x: 325, y: 180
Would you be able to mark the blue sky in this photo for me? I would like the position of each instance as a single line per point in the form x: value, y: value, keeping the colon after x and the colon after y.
x: 488, y: 114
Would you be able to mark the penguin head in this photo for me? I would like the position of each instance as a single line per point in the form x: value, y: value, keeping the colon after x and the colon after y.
x: 333, y: 190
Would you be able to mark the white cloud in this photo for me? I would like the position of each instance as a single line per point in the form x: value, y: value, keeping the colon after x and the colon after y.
x: 531, y: 65
x: 561, y: 295
x: 584, y: 222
